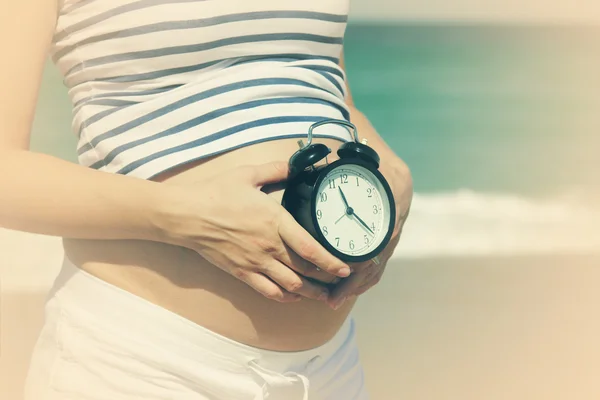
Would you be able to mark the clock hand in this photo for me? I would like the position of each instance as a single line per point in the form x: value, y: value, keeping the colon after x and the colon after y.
x: 363, y: 223
x: 348, y: 209
x: 344, y: 198
x: 340, y: 218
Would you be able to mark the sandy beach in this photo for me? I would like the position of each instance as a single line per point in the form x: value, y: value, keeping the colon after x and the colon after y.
x: 522, y: 328
x: 519, y: 328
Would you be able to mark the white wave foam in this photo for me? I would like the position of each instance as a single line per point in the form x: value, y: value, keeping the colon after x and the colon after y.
x: 462, y: 223
x: 467, y: 223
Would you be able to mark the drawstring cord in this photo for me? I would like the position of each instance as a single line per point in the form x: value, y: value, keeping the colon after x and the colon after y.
x: 282, y: 386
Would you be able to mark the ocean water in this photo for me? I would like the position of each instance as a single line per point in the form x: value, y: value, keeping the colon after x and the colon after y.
x: 491, y: 109
x: 500, y: 126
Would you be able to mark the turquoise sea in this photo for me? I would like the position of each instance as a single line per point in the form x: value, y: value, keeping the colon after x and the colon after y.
x: 495, y: 109
x: 500, y: 126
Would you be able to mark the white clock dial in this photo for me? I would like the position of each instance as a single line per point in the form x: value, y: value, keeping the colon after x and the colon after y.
x: 353, y: 210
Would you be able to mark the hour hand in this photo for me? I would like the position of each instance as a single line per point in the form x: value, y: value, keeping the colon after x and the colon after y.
x: 343, y: 198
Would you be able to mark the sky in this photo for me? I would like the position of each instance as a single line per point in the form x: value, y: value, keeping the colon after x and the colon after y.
x: 543, y: 11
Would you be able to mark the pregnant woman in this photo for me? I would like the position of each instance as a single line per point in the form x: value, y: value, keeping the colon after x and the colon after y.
x: 183, y: 276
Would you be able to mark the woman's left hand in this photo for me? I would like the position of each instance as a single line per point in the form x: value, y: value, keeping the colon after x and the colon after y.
x: 368, y: 273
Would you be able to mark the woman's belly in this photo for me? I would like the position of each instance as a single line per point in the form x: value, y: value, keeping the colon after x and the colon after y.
x: 182, y: 281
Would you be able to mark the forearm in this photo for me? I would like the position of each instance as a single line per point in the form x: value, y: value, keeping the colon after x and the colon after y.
x: 393, y: 168
x: 366, y: 131
x: 46, y: 195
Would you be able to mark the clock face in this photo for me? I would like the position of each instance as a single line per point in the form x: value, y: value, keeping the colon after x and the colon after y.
x: 353, y: 210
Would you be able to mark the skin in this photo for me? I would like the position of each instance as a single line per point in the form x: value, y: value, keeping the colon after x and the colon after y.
x: 225, y: 256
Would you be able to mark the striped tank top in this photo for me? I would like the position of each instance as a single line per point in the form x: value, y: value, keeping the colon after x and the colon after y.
x: 156, y: 84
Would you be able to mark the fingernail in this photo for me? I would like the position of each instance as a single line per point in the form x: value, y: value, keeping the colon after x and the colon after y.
x: 339, y: 303
x: 323, y: 296
x: 345, y: 271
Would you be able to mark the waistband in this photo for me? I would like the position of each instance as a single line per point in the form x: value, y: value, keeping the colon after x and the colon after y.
x: 81, y: 293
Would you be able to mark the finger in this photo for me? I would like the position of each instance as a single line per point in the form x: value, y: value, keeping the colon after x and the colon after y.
x: 264, y: 174
x: 305, y: 268
x: 321, y: 276
x: 344, y: 289
x: 368, y: 285
x: 299, y: 240
x: 267, y: 287
x: 364, y: 272
x: 294, y: 283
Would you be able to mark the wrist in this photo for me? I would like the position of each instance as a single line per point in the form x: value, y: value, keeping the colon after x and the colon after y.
x: 164, y: 214
x: 396, y: 172
x: 400, y: 180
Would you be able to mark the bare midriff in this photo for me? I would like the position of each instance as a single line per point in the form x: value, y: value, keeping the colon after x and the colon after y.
x: 182, y: 281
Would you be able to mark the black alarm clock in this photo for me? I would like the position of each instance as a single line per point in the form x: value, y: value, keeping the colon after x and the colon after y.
x: 347, y: 205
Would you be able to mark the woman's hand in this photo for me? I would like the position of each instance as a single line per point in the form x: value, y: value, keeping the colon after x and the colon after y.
x: 367, y: 274
x: 234, y: 225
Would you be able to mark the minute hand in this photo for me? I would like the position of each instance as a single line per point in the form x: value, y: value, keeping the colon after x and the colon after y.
x: 363, y: 223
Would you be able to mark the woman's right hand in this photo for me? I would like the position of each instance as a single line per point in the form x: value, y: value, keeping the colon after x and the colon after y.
x: 230, y: 222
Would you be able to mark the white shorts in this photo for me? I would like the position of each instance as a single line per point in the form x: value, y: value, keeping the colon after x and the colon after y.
x: 100, y: 342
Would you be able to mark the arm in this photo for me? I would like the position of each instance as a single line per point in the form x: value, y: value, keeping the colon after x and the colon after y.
x: 244, y: 232
x: 363, y: 125
x: 392, y: 167
x: 43, y: 194
x: 396, y: 172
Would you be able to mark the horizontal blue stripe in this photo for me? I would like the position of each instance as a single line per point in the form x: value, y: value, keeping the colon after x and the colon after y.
x: 194, y: 48
x: 262, y: 140
x: 112, y: 102
x: 138, y: 5
x: 201, y: 23
x: 332, y: 80
x: 188, y: 100
x: 323, y: 68
x: 215, y: 136
x: 180, y: 70
x: 124, y: 94
x: 157, y: 74
x: 270, y: 58
x: 211, y: 116
x: 95, y: 118
x: 75, y: 6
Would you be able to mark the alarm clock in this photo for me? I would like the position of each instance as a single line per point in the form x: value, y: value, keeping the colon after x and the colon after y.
x: 346, y: 205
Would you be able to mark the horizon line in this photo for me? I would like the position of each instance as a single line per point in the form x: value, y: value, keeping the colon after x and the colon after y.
x: 476, y: 22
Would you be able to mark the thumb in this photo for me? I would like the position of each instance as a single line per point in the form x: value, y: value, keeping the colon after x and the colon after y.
x: 342, y: 291
x: 272, y: 172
